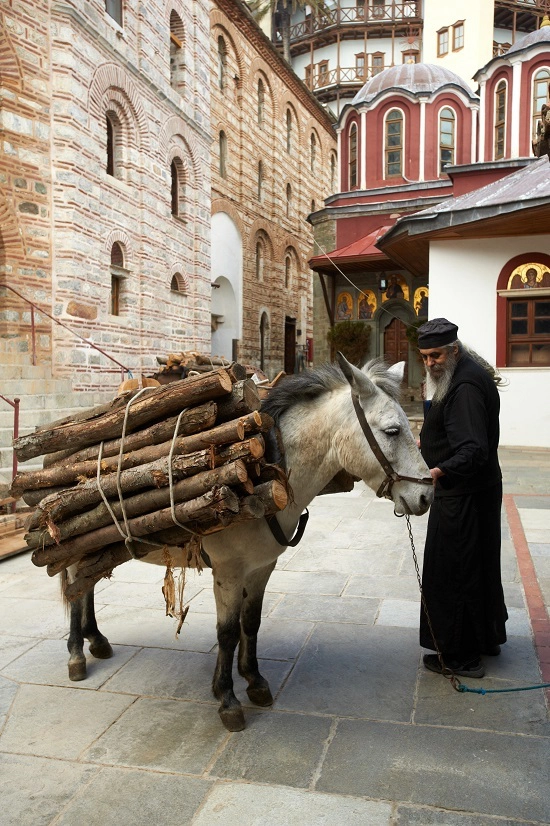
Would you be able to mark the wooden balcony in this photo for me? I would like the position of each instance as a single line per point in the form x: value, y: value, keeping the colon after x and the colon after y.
x: 326, y: 85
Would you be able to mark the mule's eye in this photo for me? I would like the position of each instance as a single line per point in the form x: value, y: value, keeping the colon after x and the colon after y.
x: 392, y: 431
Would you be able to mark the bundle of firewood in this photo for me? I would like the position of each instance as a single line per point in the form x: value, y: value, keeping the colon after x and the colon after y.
x: 152, y: 469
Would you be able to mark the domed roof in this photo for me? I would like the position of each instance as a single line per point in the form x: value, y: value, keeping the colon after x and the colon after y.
x: 415, y: 78
x: 541, y: 35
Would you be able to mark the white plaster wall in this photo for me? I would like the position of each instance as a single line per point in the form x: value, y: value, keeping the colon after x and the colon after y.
x: 227, y: 270
x: 463, y: 280
x: 478, y: 16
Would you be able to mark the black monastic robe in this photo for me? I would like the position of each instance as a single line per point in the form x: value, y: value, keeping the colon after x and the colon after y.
x: 461, y: 577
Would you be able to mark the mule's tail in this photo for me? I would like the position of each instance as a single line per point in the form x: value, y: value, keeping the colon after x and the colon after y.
x: 63, y: 582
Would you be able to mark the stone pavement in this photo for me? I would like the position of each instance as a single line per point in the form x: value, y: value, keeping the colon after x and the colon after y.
x: 359, y: 734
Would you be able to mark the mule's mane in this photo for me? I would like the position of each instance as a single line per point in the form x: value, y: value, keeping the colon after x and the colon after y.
x: 311, y: 384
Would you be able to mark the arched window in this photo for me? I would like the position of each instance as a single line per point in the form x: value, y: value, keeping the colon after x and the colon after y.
x: 118, y: 274
x: 223, y: 154
x: 261, y: 102
x: 288, y: 130
x: 114, y: 10
x: 222, y: 62
x: 177, y: 65
x: 264, y: 339
x: 288, y: 271
x: 523, y: 312
x: 288, y: 200
x: 312, y: 152
x: 393, y: 146
x: 500, y: 120
x: 446, y: 138
x: 540, y: 94
x: 332, y: 172
x: 259, y: 261
x: 260, y: 180
x: 174, y: 189
x: 178, y: 283
x: 312, y: 205
x: 110, y: 165
x: 352, y: 156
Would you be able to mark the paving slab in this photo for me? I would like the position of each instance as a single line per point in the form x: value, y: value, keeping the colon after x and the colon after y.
x: 379, y: 587
x: 355, y: 671
x: 298, y: 582
x: 58, y: 722
x: 33, y: 790
x: 46, y: 664
x: 12, y: 647
x: 408, y: 816
x: 142, y: 799
x: 296, y: 744
x: 166, y: 735
x: 402, y: 613
x: 364, y: 560
x: 126, y: 625
x: 20, y: 617
x: 345, y: 609
x: 456, y: 769
x: 229, y: 804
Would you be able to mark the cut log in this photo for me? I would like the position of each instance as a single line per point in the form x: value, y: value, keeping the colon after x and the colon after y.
x: 209, y: 506
x: 35, y: 497
x: 234, y: 474
x: 243, y: 399
x: 153, y: 405
x: 88, y: 414
x: 66, y: 474
x: 273, y: 496
x: 194, y: 420
x: 85, y: 496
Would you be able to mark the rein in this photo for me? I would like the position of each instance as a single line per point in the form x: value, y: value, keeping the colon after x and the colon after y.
x: 384, y: 491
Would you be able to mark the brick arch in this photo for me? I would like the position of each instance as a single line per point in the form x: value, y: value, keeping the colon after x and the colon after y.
x: 222, y: 205
x: 219, y: 26
x: 184, y: 284
x: 10, y: 66
x: 109, y: 83
x: 119, y: 236
x: 284, y: 242
x: 259, y: 69
x: 176, y: 127
x: 287, y: 102
x: 259, y: 228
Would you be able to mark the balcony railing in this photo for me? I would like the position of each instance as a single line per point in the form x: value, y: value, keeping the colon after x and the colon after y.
x: 405, y: 11
x: 500, y: 48
x: 342, y: 77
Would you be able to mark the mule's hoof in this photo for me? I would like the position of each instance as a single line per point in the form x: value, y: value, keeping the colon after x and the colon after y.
x: 232, y: 718
x: 77, y: 670
x: 260, y: 696
x: 101, y: 650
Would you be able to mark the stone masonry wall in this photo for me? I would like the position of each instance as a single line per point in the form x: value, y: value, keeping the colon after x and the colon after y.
x: 251, y: 57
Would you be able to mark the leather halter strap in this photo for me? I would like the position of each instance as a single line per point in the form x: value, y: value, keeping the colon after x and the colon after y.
x: 277, y: 531
x: 384, y: 491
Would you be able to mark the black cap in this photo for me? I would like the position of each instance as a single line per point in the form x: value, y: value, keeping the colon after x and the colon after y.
x: 436, y: 333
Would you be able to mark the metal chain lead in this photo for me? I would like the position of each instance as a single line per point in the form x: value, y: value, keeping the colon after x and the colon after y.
x: 448, y: 673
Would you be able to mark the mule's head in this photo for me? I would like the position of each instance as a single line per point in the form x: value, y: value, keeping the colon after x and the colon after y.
x: 377, y: 389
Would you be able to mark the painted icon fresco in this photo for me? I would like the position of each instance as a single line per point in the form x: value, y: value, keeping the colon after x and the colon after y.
x: 366, y: 306
x: 530, y: 276
x: 420, y: 302
x: 344, y: 306
x: 397, y: 288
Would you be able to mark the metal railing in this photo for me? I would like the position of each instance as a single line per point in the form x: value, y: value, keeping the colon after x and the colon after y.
x: 342, y: 76
x: 15, y: 404
x: 406, y: 11
x: 35, y: 308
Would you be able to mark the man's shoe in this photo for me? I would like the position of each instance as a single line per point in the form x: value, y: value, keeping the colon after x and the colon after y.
x: 471, y: 668
x: 491, y: 651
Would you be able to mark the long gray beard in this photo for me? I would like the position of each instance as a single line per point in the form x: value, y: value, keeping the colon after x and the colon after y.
x: 437, y: 388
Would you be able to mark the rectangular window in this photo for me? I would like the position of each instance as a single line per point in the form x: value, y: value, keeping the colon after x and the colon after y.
x: 378, y: 8
x: 360, y: 64
x: 411, y: 56
x: 323, y: 73
x: 458, y: 36
x: 114, y: 10
x: 309, y: 76
x: 377, y: 62
x: 115, y: 295
x: 529, y: 332
x: 442, y: 42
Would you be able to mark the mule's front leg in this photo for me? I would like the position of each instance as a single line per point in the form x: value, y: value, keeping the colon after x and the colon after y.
x: 251, y: 616
x: 228, y: 593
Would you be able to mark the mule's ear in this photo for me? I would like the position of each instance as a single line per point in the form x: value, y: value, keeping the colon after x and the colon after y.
x: 356, y: 378
x: 397, y: 371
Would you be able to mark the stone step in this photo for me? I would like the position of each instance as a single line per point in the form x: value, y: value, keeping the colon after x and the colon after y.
x: 26, y: 371
x: 40, y: 385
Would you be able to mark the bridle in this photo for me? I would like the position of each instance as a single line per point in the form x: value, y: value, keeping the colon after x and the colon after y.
x: 384, y: 491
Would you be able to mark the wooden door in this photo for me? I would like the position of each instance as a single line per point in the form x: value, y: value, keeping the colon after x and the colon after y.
x: 396, y: 345
x: 290, y: 345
